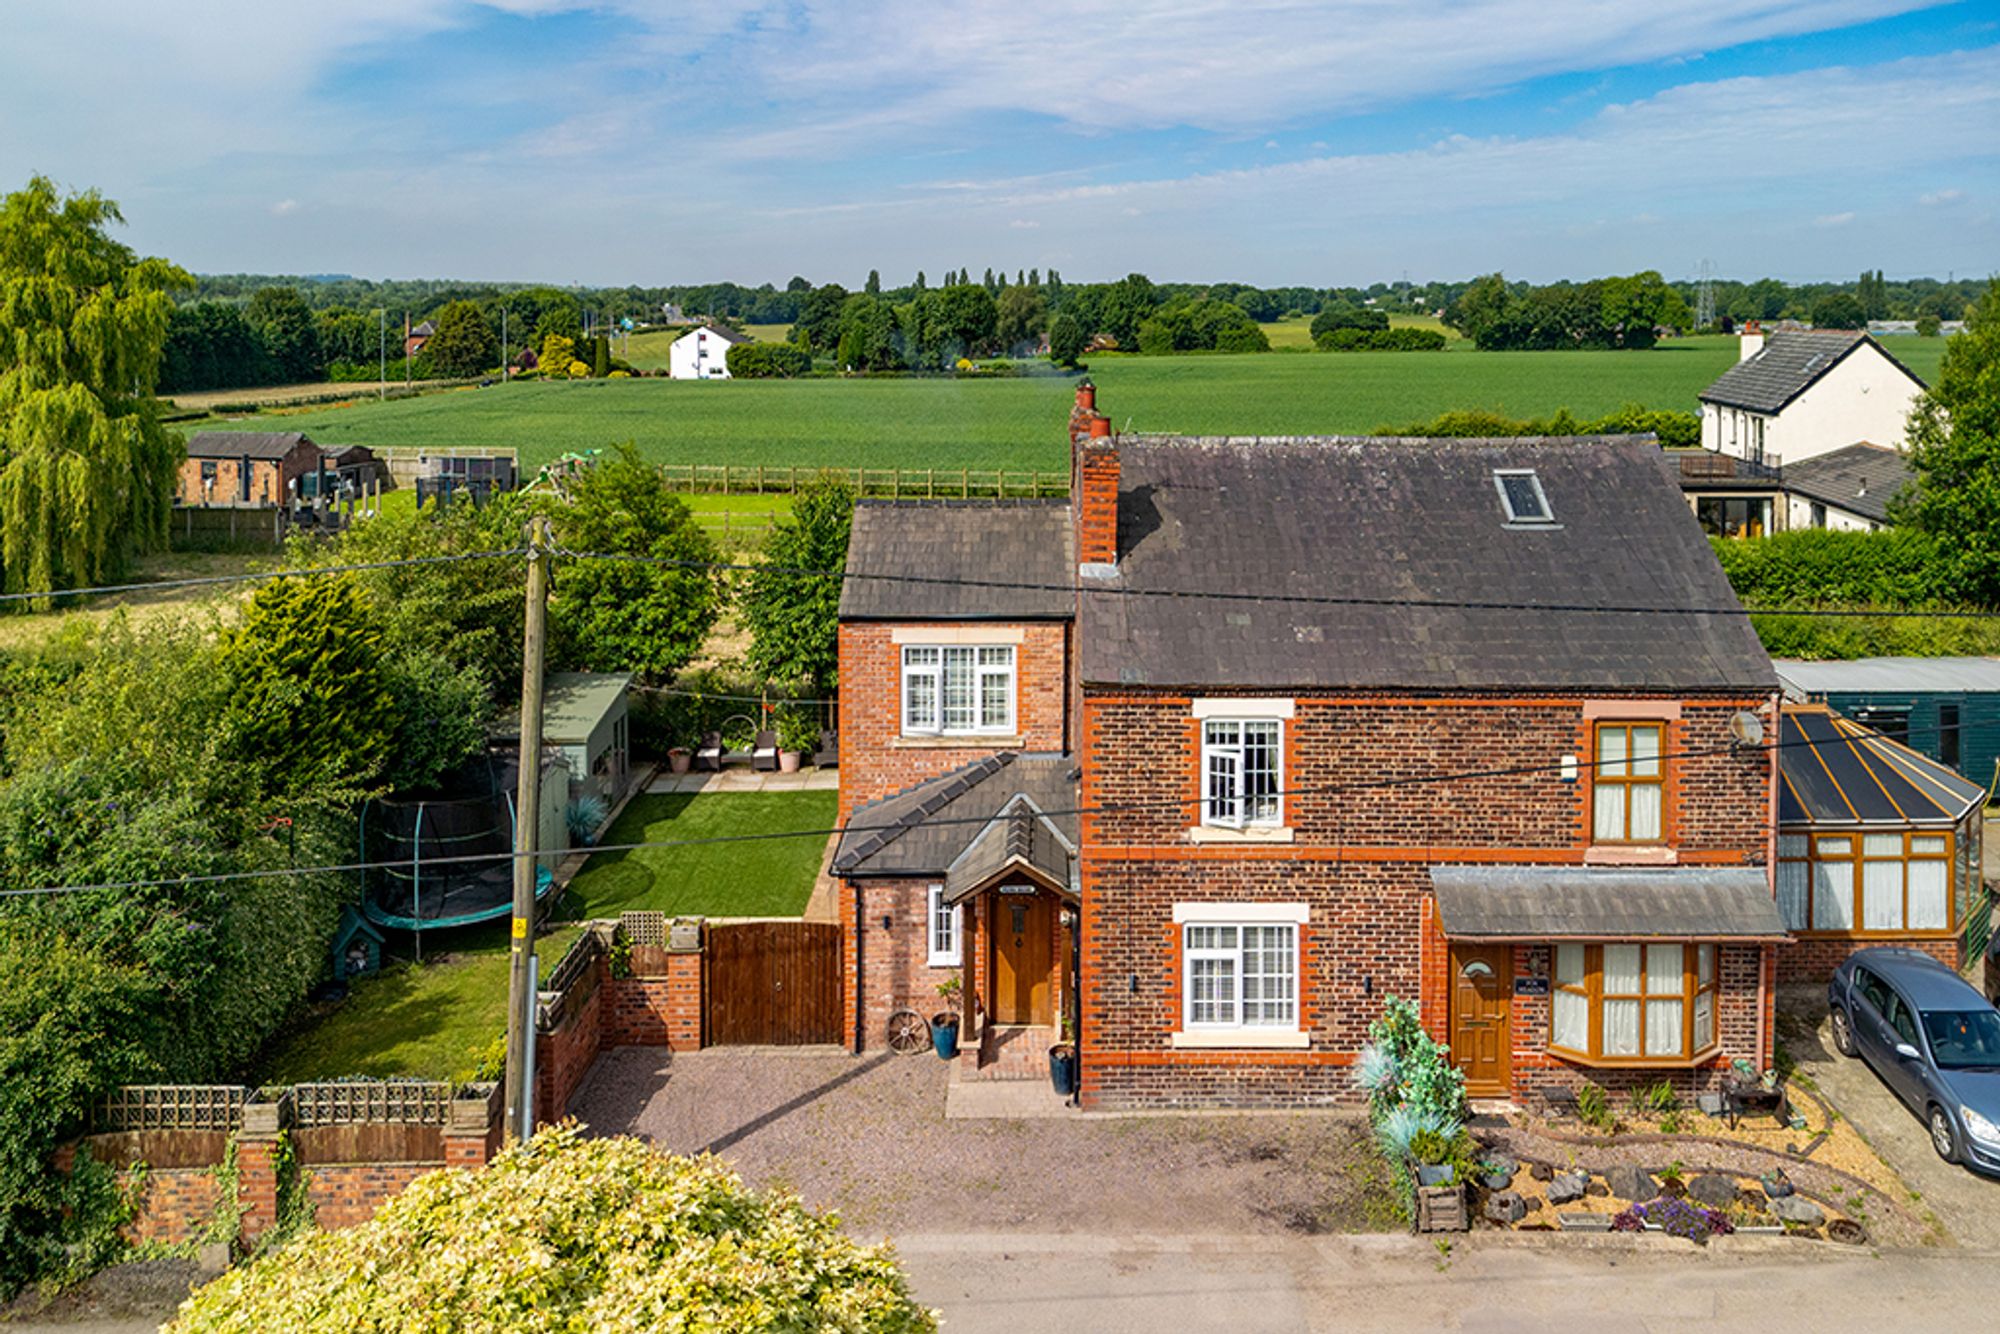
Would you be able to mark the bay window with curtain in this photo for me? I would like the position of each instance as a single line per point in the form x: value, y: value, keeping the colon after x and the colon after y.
x: 1633, y: 1004
x: 1866, y: 884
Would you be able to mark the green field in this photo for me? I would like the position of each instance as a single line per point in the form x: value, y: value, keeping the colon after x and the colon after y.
x: 1296, y: 334
x: 1018, y: 423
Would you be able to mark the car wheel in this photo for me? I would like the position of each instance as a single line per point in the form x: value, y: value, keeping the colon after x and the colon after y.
x: 1943, y: 1138
x: 1843, y: 1034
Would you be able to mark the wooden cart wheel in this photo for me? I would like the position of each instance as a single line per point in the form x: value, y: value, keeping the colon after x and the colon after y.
x: 908, y: 1032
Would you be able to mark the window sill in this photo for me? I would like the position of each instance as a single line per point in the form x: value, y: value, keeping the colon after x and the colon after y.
x: 958, y: 741
x: 1208, y: 833
x: 1630, y: 854
x: 1638, y: 1062
x: 1233, y: 1039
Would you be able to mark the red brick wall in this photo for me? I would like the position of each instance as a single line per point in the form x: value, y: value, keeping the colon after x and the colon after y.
x: 1096, y: 502
x: 1811, y: 960
x: 876, y: 759
x: 268, y: 479
x: 344, y: 1194
x: 656, y: 1011
x: 176, y: 1206
x: 564, y: 1057
x: 894, y: 964
x: 1360, y: 862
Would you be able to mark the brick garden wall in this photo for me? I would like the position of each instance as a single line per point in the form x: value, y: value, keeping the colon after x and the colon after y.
x: 877, y: 760
x: 1812, y: 960
x: 1359, y: 860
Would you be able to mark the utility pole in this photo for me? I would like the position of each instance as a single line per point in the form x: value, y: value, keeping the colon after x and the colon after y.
x: 503, y: 345
x: 382, y: 349
x: 520, y: 1099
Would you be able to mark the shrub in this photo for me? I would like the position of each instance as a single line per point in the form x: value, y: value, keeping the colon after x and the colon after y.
x: 1675, y: 429
x: 767, y: 361
x: 1346, y: 339
x: 584, y: 815
x: 571, y: 1233
x: 1593, y: 1108
x: 1340, y: 315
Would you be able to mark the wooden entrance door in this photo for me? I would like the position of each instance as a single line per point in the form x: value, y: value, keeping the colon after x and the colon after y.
x: 1481, y: 997
x: 1023, y: 958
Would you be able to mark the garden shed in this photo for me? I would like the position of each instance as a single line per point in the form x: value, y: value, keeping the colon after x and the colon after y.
x: 585, y: 716
x: 1945, y: 708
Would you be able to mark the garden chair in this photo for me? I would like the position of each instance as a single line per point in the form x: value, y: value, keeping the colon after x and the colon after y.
x: 708, y: 757
x: 827, y: 756
x: 764, y: 752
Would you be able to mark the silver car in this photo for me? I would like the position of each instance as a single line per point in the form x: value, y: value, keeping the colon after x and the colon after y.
x: 1934, y: 1040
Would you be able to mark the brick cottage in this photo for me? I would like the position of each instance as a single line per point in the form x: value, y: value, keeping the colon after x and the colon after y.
x: 1254, y: 733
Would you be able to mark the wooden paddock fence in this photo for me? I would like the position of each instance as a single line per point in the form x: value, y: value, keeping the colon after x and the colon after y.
x: 738, y: 479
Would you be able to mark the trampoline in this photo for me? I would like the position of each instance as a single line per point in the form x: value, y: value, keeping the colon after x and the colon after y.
x: 447, y: 861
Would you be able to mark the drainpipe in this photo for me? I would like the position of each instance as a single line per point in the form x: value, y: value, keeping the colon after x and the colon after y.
x: 1076, y: 996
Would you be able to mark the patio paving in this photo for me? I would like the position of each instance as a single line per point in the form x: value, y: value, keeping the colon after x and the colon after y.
x: 741, y: 778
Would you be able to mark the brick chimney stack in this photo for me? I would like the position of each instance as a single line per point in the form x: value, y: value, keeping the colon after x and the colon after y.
x: 1094, y: 485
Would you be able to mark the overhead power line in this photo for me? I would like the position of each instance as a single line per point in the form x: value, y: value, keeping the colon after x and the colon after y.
x: 1560, y: 766
x: 257, y: 576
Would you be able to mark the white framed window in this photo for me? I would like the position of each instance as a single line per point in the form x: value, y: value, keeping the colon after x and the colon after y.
x: 942, y: 926
x: 1240, y: 975
x: 958, y: 689
x: 1241, y: 771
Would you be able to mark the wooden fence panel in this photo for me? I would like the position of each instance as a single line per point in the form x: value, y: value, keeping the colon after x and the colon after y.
x: 772, y: 983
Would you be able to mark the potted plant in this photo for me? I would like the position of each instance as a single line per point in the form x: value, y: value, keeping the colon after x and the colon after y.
x: 796, y: 738
x: 679, y: 759
x: 944, y: 1024
x: 1062, y: 1060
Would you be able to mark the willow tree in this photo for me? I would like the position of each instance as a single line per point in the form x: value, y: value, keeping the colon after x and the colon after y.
x: 87, y: 470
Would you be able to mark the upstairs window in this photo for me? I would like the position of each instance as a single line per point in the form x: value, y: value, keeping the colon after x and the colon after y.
x: 1239, y: 772
x: 1628, y: 789
x: 958, y: 690
x: 1521, y: 496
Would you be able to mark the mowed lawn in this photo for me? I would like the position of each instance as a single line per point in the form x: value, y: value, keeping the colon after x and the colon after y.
x: 431, y: 1020
x: 1018, y: 423
x: 753, y: 877
x: 424, y: 1021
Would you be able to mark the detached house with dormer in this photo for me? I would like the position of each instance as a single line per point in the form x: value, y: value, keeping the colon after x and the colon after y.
x: 1251, y: 734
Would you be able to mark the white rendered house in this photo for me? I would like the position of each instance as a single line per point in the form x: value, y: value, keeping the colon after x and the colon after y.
x: 1799, y: 395
x: 702, y: 354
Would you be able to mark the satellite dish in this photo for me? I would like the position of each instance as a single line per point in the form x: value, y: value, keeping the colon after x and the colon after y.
x: 1747, y: 729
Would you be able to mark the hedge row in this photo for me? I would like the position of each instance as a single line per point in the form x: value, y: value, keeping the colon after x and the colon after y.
x: 1380, y: 340
x: 1816, y: 567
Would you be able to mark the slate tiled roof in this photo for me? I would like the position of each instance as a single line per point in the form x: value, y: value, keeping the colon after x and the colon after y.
x: 1020, y: 842
x: 928, y: 559
x: 1860, y: 479
x: 1376, y: 528
x: 237, y: 444
x: 1836, y: 772
x: 923, y: 829
x: 1786, y: 365
x: 1606, y: 903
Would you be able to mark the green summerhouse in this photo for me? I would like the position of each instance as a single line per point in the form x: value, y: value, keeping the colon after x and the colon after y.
x: 1945, y: 708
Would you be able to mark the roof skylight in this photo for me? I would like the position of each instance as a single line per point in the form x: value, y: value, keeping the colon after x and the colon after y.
x: 1521, y: 496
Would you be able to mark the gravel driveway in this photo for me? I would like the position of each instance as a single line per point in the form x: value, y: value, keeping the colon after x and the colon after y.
x: 867, y: 1135
x: 1967, y: 1205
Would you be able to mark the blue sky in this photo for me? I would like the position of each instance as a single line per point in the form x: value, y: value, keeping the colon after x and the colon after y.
x: 1268, y: 141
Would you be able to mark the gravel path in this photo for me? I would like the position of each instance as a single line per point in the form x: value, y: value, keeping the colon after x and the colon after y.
x: 867, y: 1135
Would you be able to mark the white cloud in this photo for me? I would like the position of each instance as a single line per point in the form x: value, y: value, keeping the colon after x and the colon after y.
x: 1939, y: 198
x: 1024, y: 224
x: 1834, y: 219
x: 283, y: 207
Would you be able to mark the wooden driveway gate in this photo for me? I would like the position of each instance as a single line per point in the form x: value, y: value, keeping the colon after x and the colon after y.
x: 772, y: 983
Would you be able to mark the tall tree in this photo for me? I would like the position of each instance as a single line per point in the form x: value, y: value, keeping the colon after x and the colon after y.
x: 874, y: 284
x: 284, y: 325
x: 792, y: 611
x: 1954, y: 446
x: 1127, y: 304
x: 1067, y: 339
x: 1839, y: 310
x: 1023, y: 314
x: 650, y: 616
x: 464, y: 344
x: 87, y: 470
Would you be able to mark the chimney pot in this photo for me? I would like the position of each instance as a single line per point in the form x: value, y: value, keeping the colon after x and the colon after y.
x: 1086, y: 396
x: 1100, y: 427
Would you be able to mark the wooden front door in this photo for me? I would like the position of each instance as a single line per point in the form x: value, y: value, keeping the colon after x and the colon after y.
x: 1482, y: 989
x: 1023, y: 958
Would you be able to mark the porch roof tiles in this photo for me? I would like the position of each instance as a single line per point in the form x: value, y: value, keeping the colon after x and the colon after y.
x: 1606, y: 903
x: 924, y: 829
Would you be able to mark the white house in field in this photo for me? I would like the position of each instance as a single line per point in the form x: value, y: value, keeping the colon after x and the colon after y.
x: 702, y: 354
x: 1797, y: 395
